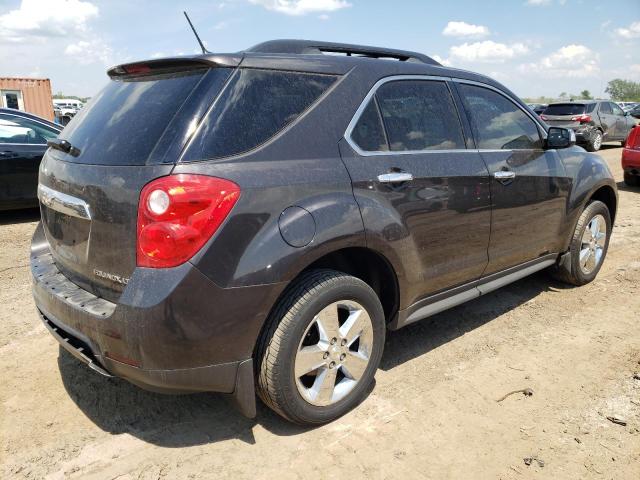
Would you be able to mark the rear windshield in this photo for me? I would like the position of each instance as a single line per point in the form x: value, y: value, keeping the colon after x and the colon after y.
x: 255, y: 105
x: 122, y: 123
x: 565, y: 109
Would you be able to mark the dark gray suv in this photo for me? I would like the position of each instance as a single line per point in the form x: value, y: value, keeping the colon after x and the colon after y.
x: 257, y: 221
x: 594, y: 122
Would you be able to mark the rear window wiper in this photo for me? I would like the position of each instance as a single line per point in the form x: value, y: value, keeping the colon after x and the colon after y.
x: 63, y: 146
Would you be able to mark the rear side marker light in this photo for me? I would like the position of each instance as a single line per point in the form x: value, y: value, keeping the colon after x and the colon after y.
x: 178, y: 214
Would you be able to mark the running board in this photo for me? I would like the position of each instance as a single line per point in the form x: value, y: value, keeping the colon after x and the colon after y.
x: 436, y: 304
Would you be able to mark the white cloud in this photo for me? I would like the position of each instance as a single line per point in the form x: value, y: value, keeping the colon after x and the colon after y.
x: 463, y: 29
x: 39, y: 19
x: 571, y: 61
x: 440, y: 60
x: 538, y: 3
x: 302, y: 7
x: 629, y: 33
x: 487, y: 51
x: 88, y: 52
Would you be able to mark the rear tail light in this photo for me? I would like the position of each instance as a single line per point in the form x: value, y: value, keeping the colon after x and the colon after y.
x: 581, y: 118
x: 177, y: 214
x: 542, y: 116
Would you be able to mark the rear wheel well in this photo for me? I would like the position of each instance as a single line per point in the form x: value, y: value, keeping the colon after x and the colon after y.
x: 607, y: 196
x: 370, y: 267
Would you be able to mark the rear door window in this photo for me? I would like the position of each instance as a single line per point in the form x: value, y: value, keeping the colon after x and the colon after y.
x: 605, y: 108
x: 419, y: 115
x: 369, y: 133
x: 122, y: 124
x: 497, y: 122
x: 255, y: 106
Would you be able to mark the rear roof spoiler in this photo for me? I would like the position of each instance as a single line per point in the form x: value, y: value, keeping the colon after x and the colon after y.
x: 317, y: 47
x: 173, y: 64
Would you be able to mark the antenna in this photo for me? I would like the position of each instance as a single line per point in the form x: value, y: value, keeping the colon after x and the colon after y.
x: 204, y: 50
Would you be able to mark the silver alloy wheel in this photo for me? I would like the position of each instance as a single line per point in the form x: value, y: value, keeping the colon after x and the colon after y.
x: 593, y: 242
x: 334, y: 353
x: 597, y: 142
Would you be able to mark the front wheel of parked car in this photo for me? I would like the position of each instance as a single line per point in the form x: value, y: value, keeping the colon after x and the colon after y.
x: 594, y: 144
x: 322, y: 344
x: 589, y: 245
x: 631, y: 180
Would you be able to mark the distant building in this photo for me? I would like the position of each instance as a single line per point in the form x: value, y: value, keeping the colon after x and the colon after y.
x: 31, y: 95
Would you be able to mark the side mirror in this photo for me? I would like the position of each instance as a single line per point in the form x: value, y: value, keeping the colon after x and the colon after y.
x: 560, y: 137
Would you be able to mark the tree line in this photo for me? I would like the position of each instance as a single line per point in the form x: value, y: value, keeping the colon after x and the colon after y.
x: 618, y: 89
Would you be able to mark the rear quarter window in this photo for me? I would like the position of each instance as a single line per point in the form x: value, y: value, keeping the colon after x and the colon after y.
x: 255, y: 106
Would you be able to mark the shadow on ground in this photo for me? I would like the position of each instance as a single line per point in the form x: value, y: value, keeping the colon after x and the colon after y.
x: 179, y: 421
x: 19, y: 216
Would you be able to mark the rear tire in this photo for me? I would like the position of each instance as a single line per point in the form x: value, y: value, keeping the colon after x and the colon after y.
x: 594, y: 144
x: 631, y: 180
x: 320, y: 348
x: 588, y: 247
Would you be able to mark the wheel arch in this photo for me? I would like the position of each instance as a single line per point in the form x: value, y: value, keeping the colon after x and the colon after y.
x: 607, y: 195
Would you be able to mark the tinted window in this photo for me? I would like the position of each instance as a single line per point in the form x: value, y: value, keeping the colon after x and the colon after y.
x: 419, y: 115
x: 605, y: 107
x: 15, y: 129
x: 565, y: 109
x: 497, y: 122
x: 368, y: 133
x: 616, y: 109
x: 122, y: 123
x: 255, y: 106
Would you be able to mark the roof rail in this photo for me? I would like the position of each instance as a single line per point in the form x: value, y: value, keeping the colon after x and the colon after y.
x: 316, y: 47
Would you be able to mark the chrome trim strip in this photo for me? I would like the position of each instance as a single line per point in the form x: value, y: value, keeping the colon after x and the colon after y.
x: 63, y: 203
x: 512, y: 277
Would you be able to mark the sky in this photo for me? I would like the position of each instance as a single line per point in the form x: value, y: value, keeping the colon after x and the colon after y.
x: 534, y: 47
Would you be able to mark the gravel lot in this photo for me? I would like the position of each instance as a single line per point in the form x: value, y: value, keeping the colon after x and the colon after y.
x: 432, y: 414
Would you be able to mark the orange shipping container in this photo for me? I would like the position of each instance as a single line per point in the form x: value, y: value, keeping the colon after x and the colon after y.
x: 32, y: 95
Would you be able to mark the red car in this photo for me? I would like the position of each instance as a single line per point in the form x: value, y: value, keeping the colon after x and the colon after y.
x: 631, y: 158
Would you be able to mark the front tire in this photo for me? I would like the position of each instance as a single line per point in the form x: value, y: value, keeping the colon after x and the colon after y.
x: 588, y: 247
x: 595, y: 142
x: 320, y: 348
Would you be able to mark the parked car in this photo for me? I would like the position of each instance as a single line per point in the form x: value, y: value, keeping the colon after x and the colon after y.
x: 537, y: 108
x: 625, y: 105
x: 258, y: 220
x: 631, y: 158
x: 594, y: 122
x: 23, y: 140
x: 635, y: 112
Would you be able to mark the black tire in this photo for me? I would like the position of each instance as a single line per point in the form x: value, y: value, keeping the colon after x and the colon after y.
x: 595, y: 142
x: 282, y: 335
x: 631, y: 180
x: 574, y: 275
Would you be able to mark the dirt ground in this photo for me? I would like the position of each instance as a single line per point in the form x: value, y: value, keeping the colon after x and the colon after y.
x: 432, y: 413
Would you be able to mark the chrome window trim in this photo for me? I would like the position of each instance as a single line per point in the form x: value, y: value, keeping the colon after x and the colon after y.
x: 365, y: 102
x: 32, y: 120
x: 538, y: 123
x: 356, y: 117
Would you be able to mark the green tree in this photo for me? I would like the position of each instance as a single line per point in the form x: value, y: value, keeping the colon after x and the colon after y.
x: 623, y: 90
x: 564, y: 95
x: 586, y: 95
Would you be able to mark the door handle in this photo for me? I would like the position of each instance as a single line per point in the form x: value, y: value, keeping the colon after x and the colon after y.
x: 503, y: 176
x: 395, y: 177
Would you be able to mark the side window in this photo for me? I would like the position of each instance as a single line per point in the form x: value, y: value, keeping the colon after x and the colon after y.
x: 497, y: 122
x: 255, y: 106
x: 368, y: 133
x: 616, y: 109
x: 20, y: 130
x: 419, y: 115
x: 589, y: 107
x: 605, y: 108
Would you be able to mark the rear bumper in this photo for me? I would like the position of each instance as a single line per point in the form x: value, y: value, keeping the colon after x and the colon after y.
x: 631, y: 160
x: 172, y: 330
